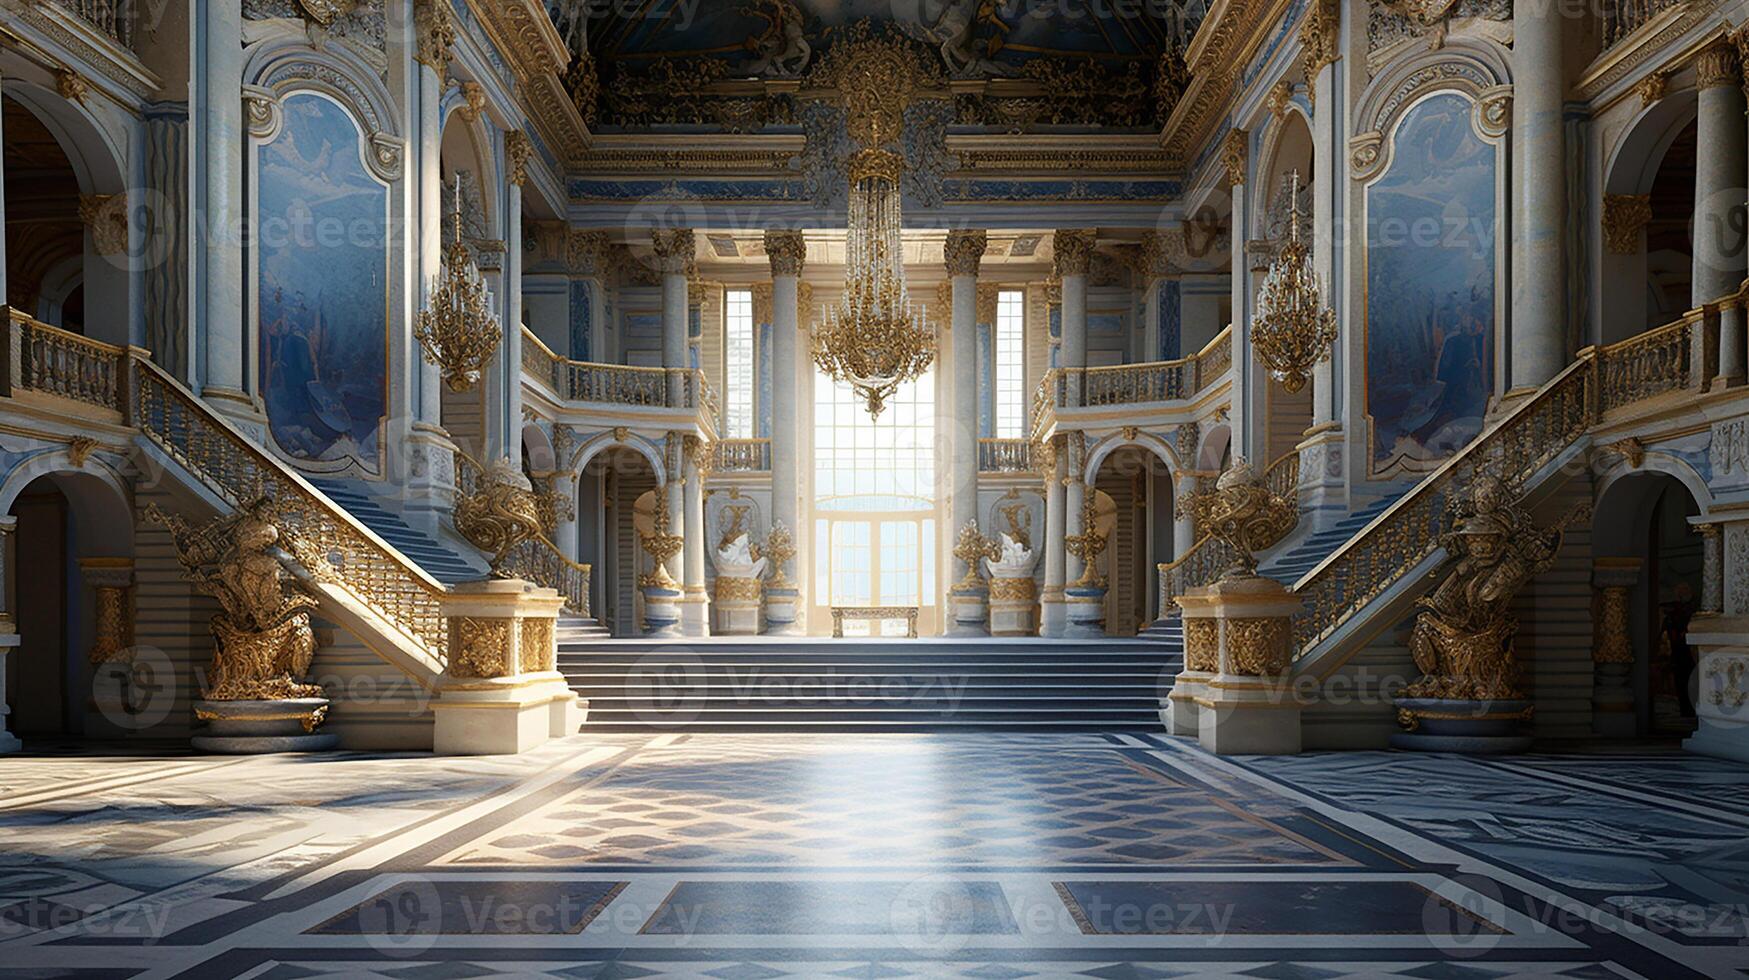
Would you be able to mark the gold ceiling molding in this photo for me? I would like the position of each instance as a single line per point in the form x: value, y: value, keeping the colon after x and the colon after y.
x: 1228, y: 37
x: 534, y: 49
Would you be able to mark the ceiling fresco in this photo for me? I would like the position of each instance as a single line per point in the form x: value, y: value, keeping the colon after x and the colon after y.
x: 1015, y: 65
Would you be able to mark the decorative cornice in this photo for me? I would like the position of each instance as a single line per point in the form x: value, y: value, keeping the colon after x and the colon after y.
x: 963, y: 250
x: 787, y: 251
x: 1073, y: 250
x: 1223, y: 44
x: 524, y: 33
x: 518, y: 150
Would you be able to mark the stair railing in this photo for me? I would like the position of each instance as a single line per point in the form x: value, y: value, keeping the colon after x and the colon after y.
x: 536, y: 559
x: 1210, y: 556
x: 1527, y: 438
x: 232, y: 466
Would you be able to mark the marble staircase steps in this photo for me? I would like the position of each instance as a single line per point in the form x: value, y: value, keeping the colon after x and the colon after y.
x: 439, y: 560
x: 872, y: 685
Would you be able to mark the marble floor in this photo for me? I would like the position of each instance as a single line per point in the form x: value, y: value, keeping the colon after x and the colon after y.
x: 740, y: 857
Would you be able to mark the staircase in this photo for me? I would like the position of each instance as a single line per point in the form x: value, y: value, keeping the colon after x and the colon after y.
x: 783, y: 685
x: 1290, y: 565
x: 443, y: 564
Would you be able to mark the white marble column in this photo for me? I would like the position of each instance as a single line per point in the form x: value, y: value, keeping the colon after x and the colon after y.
x: 1183, y: 524
x: 1074, y: 499
x: 1718, y: 192
x: 962, y: 252
x: 695, y: 602
x: 787, y: 252
x: 1712, y: 554
x: 434, y: 34
x: 3, y: 299
x: 219, y: 234
x: 517, y: 152
x: 1246, y: 415
x: 564, y: 485
x: 1073, y: 251
x: 673, y: 497
x: 1539, y: 183
x: 674, y: 252
x: 1321, y: 464
x: 1052, y: 615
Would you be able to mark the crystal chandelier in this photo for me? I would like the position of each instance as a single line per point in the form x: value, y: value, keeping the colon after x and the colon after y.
x: 1294, y: 329
x: 875, y: 339
x: 458, y: 330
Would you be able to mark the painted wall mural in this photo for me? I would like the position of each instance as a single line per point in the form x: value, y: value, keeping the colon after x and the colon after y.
x: 322, y: 288
x: 1431, y: 275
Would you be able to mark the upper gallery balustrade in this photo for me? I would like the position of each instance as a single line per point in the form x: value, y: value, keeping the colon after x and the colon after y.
x: 1132, y: 384
x: 616, y: 384
x: 1621, y: 18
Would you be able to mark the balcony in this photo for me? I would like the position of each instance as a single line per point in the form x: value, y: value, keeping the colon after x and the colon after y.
x: 616, y: 384
x: 1132, y: 384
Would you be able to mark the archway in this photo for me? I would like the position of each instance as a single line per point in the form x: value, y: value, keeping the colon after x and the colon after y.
x: 469, y: 183
x: 75, y: 528
x: 1642, y: 533
x: 1132, y: 496
x: 1647, y: 276
x: 1288, y: 167
x: 616, y: 494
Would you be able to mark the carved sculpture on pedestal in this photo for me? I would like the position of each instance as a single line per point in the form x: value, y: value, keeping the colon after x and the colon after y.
x: 1244, y: 514
x: 500, y: 515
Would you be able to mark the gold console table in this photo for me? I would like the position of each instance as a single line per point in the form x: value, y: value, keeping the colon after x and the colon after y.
x: 907, y: 613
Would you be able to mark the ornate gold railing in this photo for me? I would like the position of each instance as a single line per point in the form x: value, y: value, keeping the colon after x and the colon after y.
x: 742, y: 456
x: 616, y: 384
x: 1210, y: 556
x: 1652, y: 363
x: 1134, y: 384
x: 1004, y: 455
x: 1532, y: 435
x: 58, y: 362
x: 114, y: 18
x: 539, y: 360
x: 235, y: 468
x: 537, y: 559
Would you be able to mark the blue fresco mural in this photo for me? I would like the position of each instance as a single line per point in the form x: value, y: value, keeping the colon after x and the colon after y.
x: 1431, y: 256
x: 322, y: 289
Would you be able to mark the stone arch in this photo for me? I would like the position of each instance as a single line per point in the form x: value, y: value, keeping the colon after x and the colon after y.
x: 468, y: 144
x: 1476, y: 69
x: 1645, y: 271
x: 101, y: 502
x: 1633, y: 161
x: 537, y: 449
x: 1152, y: 442
x: 1287, y: 147
x: 1213, y: 448
x: 599, y: 443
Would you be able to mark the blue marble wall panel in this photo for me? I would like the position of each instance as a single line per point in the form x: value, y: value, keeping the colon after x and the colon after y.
x: 322, y: 287
x: 986, y: 382
x: 582, y: 320
x: 1169, y: 317
x: 763, y: 334
x: 1431, y: 222
x: 1056, y: 320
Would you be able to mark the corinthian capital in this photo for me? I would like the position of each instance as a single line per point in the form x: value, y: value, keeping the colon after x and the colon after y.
x: 1717, y: 65
x: 963, y: 250
x: 1073, y: 249
x: 675, y: 248
x: 434, y: 34
x: 518, y: 149
x: 787, y: 251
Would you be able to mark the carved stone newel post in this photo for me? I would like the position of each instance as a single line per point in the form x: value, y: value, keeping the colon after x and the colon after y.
x: 501, y: 691
x: 1234, y: 692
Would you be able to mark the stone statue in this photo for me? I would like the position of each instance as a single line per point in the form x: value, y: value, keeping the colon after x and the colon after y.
x: 736, y: 559
x: 1462, y: 640
x: 264, y: 642
x: 501, y: 514
x: 1015, y: 560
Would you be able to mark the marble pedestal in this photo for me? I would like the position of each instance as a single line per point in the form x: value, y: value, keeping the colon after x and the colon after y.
x: 256, y: 727
x: 1721, y: 700
x: 737, y: 606
x: 1178, y: 710
x: 969, y: 610
x: 501, y: 692
x: 1454, y: 725
x: 695, y: 613
x: 1248, y: 705
x: 661, y: 610
x: 1053, y: 615
x: 1012, y: 604
x: 1084, y: 608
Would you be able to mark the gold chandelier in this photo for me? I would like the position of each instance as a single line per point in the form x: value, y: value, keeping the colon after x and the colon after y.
x: 458, y: 329
x: 1294, y: 329
x: 875, y: 339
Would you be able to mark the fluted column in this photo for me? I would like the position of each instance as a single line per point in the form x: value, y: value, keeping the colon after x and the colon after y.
x: 1539, y: 184
x: 8, y: 628
x: 434, y: 34
x: 674, y: 252
x: 1073, y: 251
x: 787, y: 252
x: 1052, y: 615
x: 962, y: 252
x: 695, y: 602
x: 1718, y: 199
x: 218, y: 243
x: 518, y: 150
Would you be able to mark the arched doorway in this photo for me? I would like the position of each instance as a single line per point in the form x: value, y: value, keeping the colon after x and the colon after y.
x: 1126, y: 499
x: 1644, y: 541
x: 1647, y: 262
x: 45, y: 238
x: 1287, y: 182
x: 875, y: 514
x: 616, y: 503
x: 468, y: 184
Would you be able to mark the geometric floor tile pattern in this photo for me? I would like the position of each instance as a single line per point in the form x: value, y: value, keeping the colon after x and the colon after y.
x: 932, y: 855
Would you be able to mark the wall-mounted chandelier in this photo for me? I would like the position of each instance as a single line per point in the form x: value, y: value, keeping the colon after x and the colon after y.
x: 1293, y: 329
x: 458, y: 329
x: 875, y: 339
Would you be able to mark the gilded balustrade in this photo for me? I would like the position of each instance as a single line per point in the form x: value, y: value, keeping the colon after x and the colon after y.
x: 1653, y: 363
x: 1134, y: 384
x: 59, y: 362
x: 1532, y: 435
x: 536, y: 559
x: 539, y: 360
x: 742, y: 456
x: 1005, y: 456
x: 114, y: 18
x: 231, y: 465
